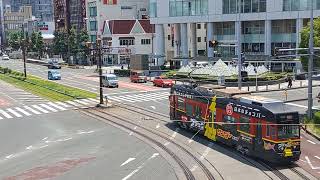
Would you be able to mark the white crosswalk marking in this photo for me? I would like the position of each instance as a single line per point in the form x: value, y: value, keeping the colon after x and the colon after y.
x: 48, y: 107
x: 40, y: 109
x: 140, y: 97
x: 73, y: 103
x: 81, y: 102
x: 56, y: 106
x: 14, y: 112
x: 23, y: 111
x: 31, y: 110
x: 5, y: 114
x: 45, y: 107
x: 94, y: 100
x: 63, y: 104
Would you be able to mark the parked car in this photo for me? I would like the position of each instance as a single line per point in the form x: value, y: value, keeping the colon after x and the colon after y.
x: 162, y: 81
x: 138, y: 76
x: 110, y: 80
x: 54, y: 75
x: 5, y: 57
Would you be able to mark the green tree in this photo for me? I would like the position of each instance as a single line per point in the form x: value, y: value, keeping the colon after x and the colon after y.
x: 305, y: 36
x: 73, y: 41
x: 40, y: 44
x: 83, y: 37
x: 34, y: 39
x: 59, y: 43
x: 14, y: 40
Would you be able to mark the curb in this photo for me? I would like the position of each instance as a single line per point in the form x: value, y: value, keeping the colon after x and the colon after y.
x: 311, y: 134
x: 273, y: 90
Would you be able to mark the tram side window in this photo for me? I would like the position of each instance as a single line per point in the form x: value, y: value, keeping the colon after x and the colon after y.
x: 198, y: 112
x: 245, y: 124
x: 180, y: 103
x: 189, y: 109
x: 267, y: 131
x: 273, y: 132
x: 229, y: 120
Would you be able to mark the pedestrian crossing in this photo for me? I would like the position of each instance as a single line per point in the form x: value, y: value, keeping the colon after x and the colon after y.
x: 142, y: 97
x: 45, y: 108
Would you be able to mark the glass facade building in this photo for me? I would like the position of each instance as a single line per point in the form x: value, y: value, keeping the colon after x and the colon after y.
x: 188, y: 7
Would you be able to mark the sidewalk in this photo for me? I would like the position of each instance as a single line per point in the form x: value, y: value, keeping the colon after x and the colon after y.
x: 297, y: 84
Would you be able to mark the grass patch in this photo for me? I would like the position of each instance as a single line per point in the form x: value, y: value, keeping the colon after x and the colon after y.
x: 44, y: 88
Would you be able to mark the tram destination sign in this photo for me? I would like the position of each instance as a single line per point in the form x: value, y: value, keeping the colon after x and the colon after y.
x: 248, y: 111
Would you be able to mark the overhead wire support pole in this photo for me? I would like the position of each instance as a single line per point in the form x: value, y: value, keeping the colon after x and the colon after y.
x: 238, y: 30
x: 310, y: 63
x: 24, y: 52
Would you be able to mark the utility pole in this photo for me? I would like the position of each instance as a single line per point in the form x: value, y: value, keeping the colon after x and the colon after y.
x: 98, y: 43
x: 68, y: 27
x: 310, y: 64
x: 238, y: 30
x: 24, y: 52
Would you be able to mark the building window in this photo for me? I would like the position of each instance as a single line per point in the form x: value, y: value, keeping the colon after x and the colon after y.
x: 300, y: 5
x: 153, y: 8
x: 198, y: 26
x: 246, y: 6
x: 145, y: 41
x: 188, y: 7
x: 199, y: 39
x: 93, y: 11
x: 169, y: 37
x: 205, y: 39
x: 127, y: 41
x: 93, y: 26
x: 93, y: 38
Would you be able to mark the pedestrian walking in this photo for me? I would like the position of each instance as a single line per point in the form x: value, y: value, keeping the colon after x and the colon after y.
x: 289, y: 82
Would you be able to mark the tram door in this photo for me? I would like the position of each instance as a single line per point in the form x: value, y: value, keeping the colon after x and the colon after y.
x: 211, y: 131
x: 172, y: 107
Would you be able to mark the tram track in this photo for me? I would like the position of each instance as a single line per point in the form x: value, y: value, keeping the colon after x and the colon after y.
x: 273, y: 170
x: 188, y: 173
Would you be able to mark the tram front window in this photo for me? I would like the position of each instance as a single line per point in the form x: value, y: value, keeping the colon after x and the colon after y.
x: 288, y: 131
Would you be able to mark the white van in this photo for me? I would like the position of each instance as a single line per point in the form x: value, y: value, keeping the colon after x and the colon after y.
x: 110, y: 80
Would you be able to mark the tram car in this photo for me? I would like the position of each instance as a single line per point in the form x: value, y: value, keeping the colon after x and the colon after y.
x: 259, y: 127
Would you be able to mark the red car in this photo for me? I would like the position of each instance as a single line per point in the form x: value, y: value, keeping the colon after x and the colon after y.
x: 162, y: 81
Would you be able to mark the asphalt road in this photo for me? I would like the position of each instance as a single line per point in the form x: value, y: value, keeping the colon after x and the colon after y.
x: 71, y: 145
x: 85, y: 79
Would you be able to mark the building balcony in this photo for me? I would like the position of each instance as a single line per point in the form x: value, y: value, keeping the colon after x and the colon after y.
x: 283, y: 37
x: 253, y: 38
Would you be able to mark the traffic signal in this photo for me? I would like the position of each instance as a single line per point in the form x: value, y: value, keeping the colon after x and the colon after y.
x: 213, y: 43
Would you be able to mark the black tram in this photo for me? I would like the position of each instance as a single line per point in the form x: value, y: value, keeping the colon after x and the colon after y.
x: 255, y: 126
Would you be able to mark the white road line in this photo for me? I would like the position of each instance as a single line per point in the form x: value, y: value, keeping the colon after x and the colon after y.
x: 56, y: 106
x: 311, y: 142
x: 73, y: 103
x: 23, y: 111
x: 114, y: 99
x: 81, y: 102
x: 63, y: 104
x: 94, y: 100
x: 48, y: 107
x: 88, y: 101
x: 127, y: 161
x: 31, y: 110
x: 317, y: 157
x: 40, y: 109
x: 14, y: 112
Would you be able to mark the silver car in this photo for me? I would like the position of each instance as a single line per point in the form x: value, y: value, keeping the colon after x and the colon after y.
x: 110, y: 80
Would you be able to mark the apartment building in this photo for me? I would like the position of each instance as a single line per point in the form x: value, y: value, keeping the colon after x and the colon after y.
x: 260, y: 25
